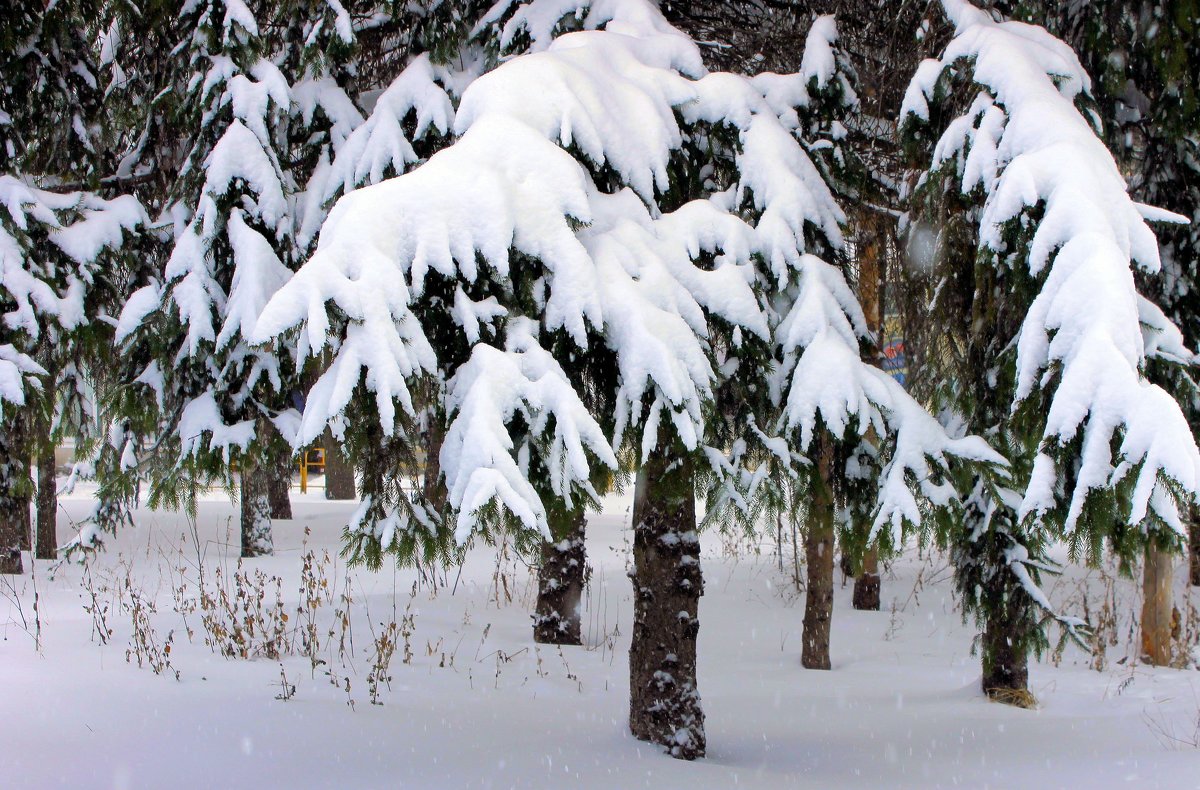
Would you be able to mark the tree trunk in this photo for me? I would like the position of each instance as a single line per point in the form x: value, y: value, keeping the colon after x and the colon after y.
x: 664, y: 702
x: 47, y: 504
x: 872, y: 273
x: 11, y: 504
x: 339, y: 473
x: 256, y: 510
x: 1156, y: 606
x: 818, y: 555
x: 1005, y: 670
x: 434, y: 487
x: 25, y: 495
x: 1194, y: 548
x: 279, y: 486
x: 847, y: 565
x: 561, y: 577
x: 866, y: 583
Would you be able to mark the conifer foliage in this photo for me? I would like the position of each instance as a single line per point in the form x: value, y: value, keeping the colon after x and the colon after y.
x: 510, y: 256
x: 60, y: 269
x: 1024, y: 213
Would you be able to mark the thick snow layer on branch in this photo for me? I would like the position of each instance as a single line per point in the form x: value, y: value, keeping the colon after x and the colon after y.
x: 539, y: 20
x: 1024, y: 143
x: 102, y: 226
x: 17, y: 372
x: 237, y: 14
x: 256, y: 97
x: 818, y: 63
x: 381, y: 144
x: 241, y: 155
x: 787, y: 189
x: 581, y: 82
x: 201, y: 424
x: 655, y: 302
x: 258, y: 274
x: 82, y: 226
x: 323, y: 93
x: 482, y: 459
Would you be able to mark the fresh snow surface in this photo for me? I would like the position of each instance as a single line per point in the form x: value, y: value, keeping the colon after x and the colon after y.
x: 900, y: 708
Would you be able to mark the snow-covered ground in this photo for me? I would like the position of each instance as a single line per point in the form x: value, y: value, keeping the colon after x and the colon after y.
x: 479, y: 705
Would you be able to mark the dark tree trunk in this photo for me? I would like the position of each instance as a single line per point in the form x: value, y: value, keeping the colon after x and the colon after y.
x: 818, y: 555
x: 11, y: 504
x: 434, y: 487
x: 561, y: 578
x: 1005, y: 664
x: 339, y: 473
x: 848, y: 566
x: 664, y: 704
x: 24, y: 458
x: 982, y: 555
x: 1194, y: 548
x: 866, y: 583
x: 280, y: 484
x: 256, y: 510
x: 47, y: 504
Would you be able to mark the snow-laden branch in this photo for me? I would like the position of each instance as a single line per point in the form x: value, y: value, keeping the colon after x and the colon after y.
x: 543, y: 21
x: 44, y: 290
x: 484, y: 461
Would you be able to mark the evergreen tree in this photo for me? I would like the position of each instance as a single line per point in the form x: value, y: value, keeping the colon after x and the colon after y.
x: 1023, y: 215
x: 202, y: 399
x: 59, y: 248
x: 1145, y: 60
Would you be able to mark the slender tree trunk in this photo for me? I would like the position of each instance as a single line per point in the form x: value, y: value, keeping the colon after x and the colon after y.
x: 818, y: 555
x: 866, y: 583
x: 280, y: 485
x: 47, y: 504
x: 664, y: 704
x: 11, y: 504
x: 339, y: 473
x: 1157, y: 606
x: 25, y: 495
x: 256, y: 510
x: 434, y: 487
x: 847, y: 565
x: 1194, y: 548
x: 561, y: 577
x: 872, y: 273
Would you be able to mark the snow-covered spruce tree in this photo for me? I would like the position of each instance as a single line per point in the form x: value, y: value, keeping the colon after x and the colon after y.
x: 59, y: 253
x: 1024, y: 217
x: 1145, y: 61
x: 585, y: 254
x: 873, y: 452
x: 203, y: 400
